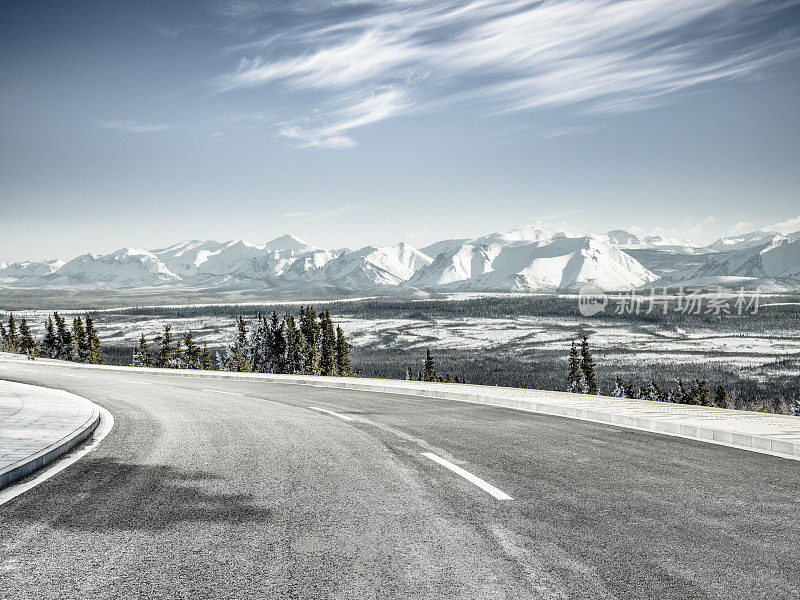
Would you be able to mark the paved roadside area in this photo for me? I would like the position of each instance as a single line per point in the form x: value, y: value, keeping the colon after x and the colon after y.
x: 37, y: 425
x: 766, y: 433
x: 236, y: 487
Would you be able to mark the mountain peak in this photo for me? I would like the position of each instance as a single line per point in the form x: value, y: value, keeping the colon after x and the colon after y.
x: 289, y: 241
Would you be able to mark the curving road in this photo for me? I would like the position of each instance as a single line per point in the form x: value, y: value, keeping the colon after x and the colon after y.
x: 234, y: 489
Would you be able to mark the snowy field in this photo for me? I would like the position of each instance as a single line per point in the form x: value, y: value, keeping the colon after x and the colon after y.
x: 622, y: 345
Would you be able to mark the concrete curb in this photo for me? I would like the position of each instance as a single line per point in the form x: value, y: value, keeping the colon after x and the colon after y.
x: 21, y: 469
x: 704, y: 424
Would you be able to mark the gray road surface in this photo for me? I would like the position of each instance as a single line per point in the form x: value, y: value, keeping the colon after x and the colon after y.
x: 232, y: 489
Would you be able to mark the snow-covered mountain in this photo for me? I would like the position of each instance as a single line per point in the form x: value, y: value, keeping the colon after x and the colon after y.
x: 670, y: 244
x: 524, y: 235
x: 28, y: 268
x: 624, y: 239
x: 772, y: 264
x: 290, y: 242
x: 126, y: 267
x: 525, y: 259
x: 628, y: 241
x: 559, y: 263
x: 239, y: 259
x: 443, y: 246
x: 740, y: 242
x: 370, y: 266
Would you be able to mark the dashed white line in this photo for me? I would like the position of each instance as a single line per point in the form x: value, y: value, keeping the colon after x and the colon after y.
x: 330, y: 412
x: 132, y: 381
x: 70, y: 375
x: 486, y: 487
x: 221, y: 392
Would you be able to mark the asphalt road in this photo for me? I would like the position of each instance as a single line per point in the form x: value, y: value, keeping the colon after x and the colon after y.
x: 251, y: 493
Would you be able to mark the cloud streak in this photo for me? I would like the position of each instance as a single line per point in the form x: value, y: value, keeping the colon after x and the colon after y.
x: 133, y: 126
x: 587, y: 56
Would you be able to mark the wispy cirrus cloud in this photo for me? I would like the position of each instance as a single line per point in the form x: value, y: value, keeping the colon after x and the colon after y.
x: 133, y: 126
x: 589, y: 57
x: 374, y: 107
x: 167, y: 32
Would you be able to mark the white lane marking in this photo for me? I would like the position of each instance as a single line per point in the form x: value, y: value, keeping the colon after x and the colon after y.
x: 221, y: 392
x: 70, y: 375
x: 486, y: 487
x: 132, y: 381
x: 330, y: 412
x: 103, y: 428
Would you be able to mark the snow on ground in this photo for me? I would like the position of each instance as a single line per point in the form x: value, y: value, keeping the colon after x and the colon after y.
x: 612, y: 342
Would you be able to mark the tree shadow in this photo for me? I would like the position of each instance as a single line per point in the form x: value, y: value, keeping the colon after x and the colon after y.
x: 106, y: 494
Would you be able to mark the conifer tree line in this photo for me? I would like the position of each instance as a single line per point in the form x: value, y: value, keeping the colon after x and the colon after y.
x: 310, y: 345
x: 581, y: 378
x: 172, y: 352
x: 78, y: 343
x: 696, y: 393
x: 429, y: 372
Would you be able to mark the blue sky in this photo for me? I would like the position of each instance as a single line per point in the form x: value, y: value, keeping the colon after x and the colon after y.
x: 347, y: 123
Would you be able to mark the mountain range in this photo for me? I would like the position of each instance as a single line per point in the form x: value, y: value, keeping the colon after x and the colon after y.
x: 528, y: 259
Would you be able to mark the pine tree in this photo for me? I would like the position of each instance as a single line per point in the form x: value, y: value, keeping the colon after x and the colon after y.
x: 193, y: 357
x: 619, y: 388
x: 575, y: 379
x: 311, y: 335
x: 242, y: 341
x: 65, y: 348
x: 142, y: 357
x: 3, y: 337
x: 429, y: 374
x: 165, y: 353
x: 49, y: 340
x: 237, y: 361
x: 343, y: 366
x: 177, y: 356
x: 12, y: 337
x: 79, y: 338
x: 721, y: 398
x: 657, y: 392
x: 95, y: 355
x: 147, y: 356
x: 259, y: 346
x: 294, y: 346
x: 409, y: 373
x: 652, y: 391
x: 682, y: 394
x: 208, y: 364
x: 27, y: 344
x: 701, y: 395
x: 587, y: 366
x: 276, y: 343
x: 136, y: 359
x: 327, y: 362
